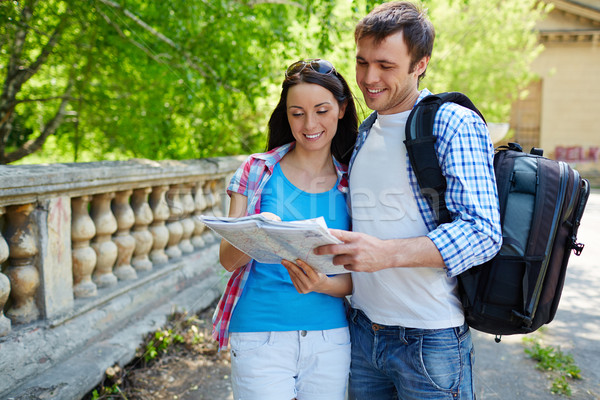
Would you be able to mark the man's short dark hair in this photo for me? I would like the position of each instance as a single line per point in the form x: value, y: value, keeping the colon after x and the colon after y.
x: 400, y: 16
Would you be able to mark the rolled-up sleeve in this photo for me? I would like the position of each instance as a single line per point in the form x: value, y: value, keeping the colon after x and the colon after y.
x: 239, y: 180
x: 466, y: 154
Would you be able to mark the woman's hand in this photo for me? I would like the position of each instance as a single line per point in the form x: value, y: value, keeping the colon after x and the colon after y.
x: 270, y: 216
x: 306, y: 280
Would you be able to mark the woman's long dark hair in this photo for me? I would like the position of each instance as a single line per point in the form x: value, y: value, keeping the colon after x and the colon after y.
x: 342, y: 144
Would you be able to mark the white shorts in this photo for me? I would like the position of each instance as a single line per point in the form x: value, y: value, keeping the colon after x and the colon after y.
x: 293, y: 364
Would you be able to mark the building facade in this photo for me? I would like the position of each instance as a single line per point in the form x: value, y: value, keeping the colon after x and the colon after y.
x: 560, y: 113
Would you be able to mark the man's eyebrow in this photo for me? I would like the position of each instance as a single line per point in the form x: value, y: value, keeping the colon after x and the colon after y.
x: 382, y: 61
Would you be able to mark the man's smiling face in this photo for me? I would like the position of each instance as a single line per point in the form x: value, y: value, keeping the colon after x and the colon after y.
x: 383, y: 74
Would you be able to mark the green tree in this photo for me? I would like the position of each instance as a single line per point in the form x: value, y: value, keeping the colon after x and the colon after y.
x: 130, y: 78
x: 484, y: 48
x: 106, y: 79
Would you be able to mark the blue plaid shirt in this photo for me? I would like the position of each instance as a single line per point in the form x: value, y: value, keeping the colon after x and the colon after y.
x: 466, y: 155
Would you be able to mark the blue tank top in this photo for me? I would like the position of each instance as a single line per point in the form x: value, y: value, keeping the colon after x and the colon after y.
x: 270, y: 302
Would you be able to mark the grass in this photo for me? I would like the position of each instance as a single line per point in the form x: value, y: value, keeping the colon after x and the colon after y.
x: 561, y: 366
x: 182, y: 332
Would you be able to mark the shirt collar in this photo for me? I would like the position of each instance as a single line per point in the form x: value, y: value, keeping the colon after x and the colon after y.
x: 273, y: 156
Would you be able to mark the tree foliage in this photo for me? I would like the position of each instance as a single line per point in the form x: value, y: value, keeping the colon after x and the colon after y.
x: 484, y: 48
x: 172, y: 79
x: 104, y: 79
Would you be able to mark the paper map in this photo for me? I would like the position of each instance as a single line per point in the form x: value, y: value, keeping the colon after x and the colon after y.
x: 269, y: 241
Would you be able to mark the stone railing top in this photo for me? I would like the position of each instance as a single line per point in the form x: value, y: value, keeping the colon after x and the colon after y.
x: 27, y: 183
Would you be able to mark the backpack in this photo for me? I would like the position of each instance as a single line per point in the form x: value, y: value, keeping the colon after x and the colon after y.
x: 541, y: 205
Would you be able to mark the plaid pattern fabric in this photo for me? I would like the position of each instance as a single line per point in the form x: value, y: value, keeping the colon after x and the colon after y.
x: 249, y: 180
x: 466, y: 152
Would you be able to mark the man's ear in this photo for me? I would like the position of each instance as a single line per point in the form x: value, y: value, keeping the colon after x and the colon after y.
x: 421, y: 66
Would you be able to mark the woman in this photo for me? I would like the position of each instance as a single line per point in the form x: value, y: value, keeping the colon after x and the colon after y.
x: 289, y: 338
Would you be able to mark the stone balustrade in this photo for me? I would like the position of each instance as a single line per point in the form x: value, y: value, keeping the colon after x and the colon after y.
x: 74, y: 236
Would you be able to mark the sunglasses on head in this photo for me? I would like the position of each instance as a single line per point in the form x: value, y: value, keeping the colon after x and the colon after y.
x: 320, y: 66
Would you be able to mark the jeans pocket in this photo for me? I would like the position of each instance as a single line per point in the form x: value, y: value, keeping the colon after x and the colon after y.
x: 441, y: 358
x: 241, y: 342
x: 339, y: 336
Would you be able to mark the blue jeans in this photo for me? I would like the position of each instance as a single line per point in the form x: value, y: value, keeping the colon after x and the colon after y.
x: 392, y: 362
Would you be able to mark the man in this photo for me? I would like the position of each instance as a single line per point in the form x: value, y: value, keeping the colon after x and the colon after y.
x: 409, y: 337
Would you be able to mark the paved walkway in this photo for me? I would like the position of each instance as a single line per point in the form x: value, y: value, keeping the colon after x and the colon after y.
x: 503, y: 370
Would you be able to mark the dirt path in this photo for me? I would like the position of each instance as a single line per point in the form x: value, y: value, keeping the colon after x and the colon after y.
x: 189, y: 369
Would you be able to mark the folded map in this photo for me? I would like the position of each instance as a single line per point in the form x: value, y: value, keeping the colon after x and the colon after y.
x: 269, y: 241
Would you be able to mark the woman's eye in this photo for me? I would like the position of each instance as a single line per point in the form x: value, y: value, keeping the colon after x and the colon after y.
x: 322, y: 111
x: 297, y: 114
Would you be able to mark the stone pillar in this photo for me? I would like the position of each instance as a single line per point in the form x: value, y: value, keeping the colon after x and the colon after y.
x: 53, y: 221
x: 158, y: 229
x: 5, y: 325
x: 23, y: 275
x: 174, y: 224
x: 122, y: 238
x: 187, y: 223
x: 141, y: 234
x: 106, y: 250
x: 84, y: 257
x: 200, y: 205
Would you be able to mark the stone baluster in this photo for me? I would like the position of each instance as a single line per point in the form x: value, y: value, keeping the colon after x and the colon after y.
x: 141, y: 234
x: 23, y: 275
x: 5, y: 325
x: 187, y: 222
x: 210, y: 198
x: 106, y: 249
x: 215, y: 188
x: 84, y: 257
x: 210, y: 209
x: 158, y: 229
x: 200, y: 205
x: 123, y: 238
x: 173, y: 223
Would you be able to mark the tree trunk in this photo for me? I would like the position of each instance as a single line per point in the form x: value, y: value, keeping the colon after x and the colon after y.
x: 17, y: 73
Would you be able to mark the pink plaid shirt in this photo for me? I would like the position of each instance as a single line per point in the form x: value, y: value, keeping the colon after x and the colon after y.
x: 249, y: 180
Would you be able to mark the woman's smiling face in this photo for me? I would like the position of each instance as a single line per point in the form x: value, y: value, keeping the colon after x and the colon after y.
x: 313, y: 115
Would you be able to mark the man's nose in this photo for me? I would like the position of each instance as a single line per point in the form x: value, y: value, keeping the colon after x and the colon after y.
x: 371, y: 75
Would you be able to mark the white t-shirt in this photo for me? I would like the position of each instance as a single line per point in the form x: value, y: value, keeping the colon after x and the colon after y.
x: 383, y: 205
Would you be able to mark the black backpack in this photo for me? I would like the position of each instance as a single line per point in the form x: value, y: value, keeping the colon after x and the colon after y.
x: 541, y: 204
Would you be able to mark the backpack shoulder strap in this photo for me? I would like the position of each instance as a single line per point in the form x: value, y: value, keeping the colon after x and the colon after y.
x: 420, y: 144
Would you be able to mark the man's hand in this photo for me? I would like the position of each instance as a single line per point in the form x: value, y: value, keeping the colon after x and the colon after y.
x: 365, y: 253
x: 359, y: 252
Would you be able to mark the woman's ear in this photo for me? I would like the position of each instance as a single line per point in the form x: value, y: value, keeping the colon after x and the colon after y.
x: 343, y: 109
